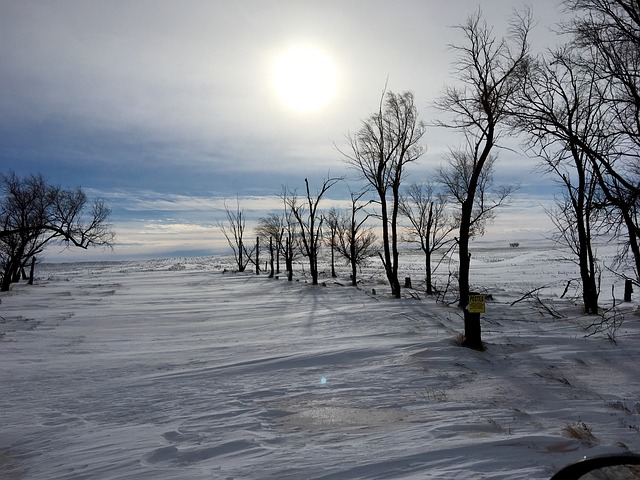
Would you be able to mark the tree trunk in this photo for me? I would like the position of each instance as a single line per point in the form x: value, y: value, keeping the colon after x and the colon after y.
x: 589, y: 287
x: 353, y: 259
x: 628, y: 289
x: 632, y: 230
x: 313, y: 264
x: 271, y: 274
x: 257, y: 255
x: 387, y: 261
x: 6, y: 281
x: 289, y: 259
x: 240, y: 259
x: 472, y: 331
x: 394, y: 239
x: 12, y: 268
x: 33, y: 267
x: 333, y: 257
x: 586, y: 262
x: 463, y: 254
x: 427, y: 266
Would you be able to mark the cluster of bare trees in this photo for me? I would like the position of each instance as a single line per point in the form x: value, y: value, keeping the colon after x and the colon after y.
x: 577, y: 108
x: 380, y: 151
x: 300, y: 230
x: 34, y: 214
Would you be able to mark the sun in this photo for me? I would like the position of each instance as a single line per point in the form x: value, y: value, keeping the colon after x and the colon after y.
x: 304, y: 78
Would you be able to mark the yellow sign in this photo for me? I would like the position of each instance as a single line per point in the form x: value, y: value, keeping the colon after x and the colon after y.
x: 476, y: 304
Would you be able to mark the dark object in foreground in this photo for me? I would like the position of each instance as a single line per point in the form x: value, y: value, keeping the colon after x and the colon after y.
x: 604, y: 467
x: 628, y: 289
x: 472, y: 331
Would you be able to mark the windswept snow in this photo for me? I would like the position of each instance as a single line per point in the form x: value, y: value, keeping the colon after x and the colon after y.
x: 176, y: 369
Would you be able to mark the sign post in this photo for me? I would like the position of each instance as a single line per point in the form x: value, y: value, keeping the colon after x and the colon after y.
x: 472, y: 329
x: 476, y: 304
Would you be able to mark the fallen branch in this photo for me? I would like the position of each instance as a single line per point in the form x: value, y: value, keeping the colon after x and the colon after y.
x: 533, y: 296
x: 529, y: 294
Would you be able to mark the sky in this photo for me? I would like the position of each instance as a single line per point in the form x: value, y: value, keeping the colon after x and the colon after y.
x: 168, y: 110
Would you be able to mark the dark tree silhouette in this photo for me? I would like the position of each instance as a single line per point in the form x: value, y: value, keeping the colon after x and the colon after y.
x: 429, y: 224
x: 271, y: 229
x: 561, y: 110
x: 606, y: 39
x: 356, y: 241
x: 310, y: 222
x: 387, y: 142
x: 34, y: 214
x: 234, y: 231
x: 332, y: 220
x: 490, y: 71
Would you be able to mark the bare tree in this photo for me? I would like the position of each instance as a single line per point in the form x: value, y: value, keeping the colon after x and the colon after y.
x: 332, y: 220
x: 271, y: 229
x: 356, y: 240
x: 607, y: 33
x: 429, y: 224
x: 387, y: 142
x: 290, y: 242
x: 606, y: 38
x: 34, y: 214
x: 310, y: 222
x: 490, y: 71
x: 234, y: 231
x: 561, y: 111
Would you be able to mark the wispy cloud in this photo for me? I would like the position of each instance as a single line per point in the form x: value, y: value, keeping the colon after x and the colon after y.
x: 166, y: 110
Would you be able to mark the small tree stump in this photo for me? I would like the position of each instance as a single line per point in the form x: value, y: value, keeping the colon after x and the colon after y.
x: 628, y: 289
x: 472, y: 331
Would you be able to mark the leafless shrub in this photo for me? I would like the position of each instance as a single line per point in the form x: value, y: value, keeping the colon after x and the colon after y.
x: 458, y: 340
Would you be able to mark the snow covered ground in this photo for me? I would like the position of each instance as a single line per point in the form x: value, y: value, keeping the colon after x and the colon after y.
x: 175, y: 368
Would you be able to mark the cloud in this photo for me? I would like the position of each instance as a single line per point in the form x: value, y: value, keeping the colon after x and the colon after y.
x: 165, y: 109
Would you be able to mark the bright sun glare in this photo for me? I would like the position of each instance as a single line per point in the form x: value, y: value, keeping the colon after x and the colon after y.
x: 304, y: 78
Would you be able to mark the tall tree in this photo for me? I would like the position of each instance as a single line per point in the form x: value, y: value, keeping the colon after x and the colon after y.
x: 310, y: 222
x: 563, y: 114
x: 386, y: 143
x: 489, y: 71
x: 606, y: 37
x: 429, y: 224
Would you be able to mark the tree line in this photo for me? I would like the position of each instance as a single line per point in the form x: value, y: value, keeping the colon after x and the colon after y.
x: 576, y: 108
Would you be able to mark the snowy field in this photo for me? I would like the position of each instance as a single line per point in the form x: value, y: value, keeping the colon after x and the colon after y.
x: 177, y: 369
